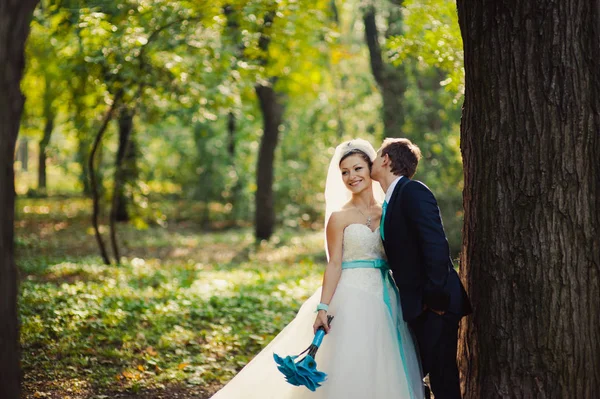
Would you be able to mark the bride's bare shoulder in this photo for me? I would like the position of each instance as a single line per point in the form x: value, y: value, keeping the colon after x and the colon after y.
x: 341, y: 218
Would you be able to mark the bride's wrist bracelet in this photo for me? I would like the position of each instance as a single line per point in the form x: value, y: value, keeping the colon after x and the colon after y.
x: 323, y: 306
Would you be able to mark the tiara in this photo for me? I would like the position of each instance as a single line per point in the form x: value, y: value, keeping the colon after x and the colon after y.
x: 358, y: 144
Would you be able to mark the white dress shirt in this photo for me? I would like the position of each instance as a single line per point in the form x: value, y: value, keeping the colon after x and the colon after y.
x: 390, y: 190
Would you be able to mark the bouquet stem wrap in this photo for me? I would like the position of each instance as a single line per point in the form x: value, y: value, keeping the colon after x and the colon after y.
x: 304, y: 371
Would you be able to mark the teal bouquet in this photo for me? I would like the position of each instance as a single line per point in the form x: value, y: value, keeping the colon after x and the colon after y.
x: 304, y: 371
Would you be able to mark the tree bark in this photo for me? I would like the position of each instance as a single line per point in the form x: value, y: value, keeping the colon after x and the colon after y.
x: 390, y: 79
x: 272, y: 111
x: 531, y: 242
x: 15, y: 16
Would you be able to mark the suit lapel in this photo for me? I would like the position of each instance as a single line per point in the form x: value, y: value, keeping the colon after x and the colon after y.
x: 388, y: 214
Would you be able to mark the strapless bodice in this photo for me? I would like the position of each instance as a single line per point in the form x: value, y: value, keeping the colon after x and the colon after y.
x: 360, y: 243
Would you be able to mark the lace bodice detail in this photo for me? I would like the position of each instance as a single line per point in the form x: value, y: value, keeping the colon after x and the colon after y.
x: 360, y: 243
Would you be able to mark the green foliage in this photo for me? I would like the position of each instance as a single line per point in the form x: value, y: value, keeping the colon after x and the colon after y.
x: 184, y: 307
x: 189, y: 64
x: 432, y: 36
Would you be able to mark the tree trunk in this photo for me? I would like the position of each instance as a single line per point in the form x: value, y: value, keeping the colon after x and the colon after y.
x: 272, y: 111
x: 15, y: 16
x: 231, y: 135
x: 531, y: 243
x: 23, y: 153
x: 92, y: 173
x: 42, y: 155
x: 78, y: 88
x: 237, y: 212
x: 48, y: 128
x: 83, y: 151
x: 125, y: 167
x: 390, y: 79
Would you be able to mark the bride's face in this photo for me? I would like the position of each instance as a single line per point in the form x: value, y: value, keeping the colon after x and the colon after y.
x: 355, y: 173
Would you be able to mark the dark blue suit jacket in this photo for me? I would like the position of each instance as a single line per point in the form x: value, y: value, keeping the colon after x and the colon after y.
x: 419, y: 255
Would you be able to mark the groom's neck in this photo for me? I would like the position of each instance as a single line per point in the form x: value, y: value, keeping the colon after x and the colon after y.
x: 387, y: 180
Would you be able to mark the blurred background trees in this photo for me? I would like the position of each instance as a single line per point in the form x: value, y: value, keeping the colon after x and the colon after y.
x: 200, y: 129
x: 234, y: 106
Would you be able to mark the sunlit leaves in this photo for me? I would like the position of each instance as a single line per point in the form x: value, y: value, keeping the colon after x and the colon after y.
x: 433, y: 36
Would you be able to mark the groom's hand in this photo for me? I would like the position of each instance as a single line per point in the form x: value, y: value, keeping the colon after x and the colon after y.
x: 438, y: 312
x: 321, y: 321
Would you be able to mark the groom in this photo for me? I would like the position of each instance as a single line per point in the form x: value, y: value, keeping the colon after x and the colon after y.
x: 432, y: 297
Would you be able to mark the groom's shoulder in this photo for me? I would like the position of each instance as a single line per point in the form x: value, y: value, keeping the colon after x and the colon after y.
x: 417, y: 185
x: 417, y: 188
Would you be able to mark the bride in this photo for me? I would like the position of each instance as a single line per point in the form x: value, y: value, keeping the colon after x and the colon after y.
x: 368, y: 351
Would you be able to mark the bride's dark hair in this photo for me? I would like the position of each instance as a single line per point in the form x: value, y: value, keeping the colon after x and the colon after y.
x: 358, y: 152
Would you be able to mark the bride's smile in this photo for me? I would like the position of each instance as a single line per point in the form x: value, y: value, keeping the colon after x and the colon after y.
x: 355, y: 171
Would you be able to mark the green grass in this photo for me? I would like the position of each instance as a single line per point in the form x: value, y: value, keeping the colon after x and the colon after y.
x: 185, y: 308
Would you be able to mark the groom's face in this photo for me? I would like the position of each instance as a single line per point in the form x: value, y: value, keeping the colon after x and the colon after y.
x: 377, y: 167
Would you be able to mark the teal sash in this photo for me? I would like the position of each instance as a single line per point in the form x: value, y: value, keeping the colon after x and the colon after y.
x: 383, y: 266
x: 385, y: 274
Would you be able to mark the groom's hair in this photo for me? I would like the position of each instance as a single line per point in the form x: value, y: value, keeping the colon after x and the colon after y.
x: 404, y: 156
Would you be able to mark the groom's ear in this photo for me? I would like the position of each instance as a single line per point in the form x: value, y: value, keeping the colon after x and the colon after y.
x: 386, y: 159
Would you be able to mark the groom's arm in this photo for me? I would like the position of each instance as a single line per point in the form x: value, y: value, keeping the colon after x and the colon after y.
x: 424, y: 215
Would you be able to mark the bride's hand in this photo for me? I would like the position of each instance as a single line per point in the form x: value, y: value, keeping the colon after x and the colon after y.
x: 321, y: 321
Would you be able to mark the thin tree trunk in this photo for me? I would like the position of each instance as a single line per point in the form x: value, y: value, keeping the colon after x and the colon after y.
x: 23, y: 153
x: 83, y: 143
x: 15, y: 16
x: 93, y: 184
x: 42, y: 155
x: 390, y: 79
x: 272, y: 111
x: 237, y: 189
x: 271, y: 107
x: 83, y: 151
x: 125, y: 162
x: 125, y: 165
x: 78, y: 87
x: 231, y: 136
x: 234, y: 41
x: 339, y: 81
x: 531, y: 244
x: 48, y: 128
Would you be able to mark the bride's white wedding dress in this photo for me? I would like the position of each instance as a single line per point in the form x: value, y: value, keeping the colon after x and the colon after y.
x: 369, y: 352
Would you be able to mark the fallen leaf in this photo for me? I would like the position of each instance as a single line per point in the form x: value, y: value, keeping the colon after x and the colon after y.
x: 182, y: 366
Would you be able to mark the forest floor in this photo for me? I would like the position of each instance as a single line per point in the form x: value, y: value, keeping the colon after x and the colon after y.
x: 182, y: 313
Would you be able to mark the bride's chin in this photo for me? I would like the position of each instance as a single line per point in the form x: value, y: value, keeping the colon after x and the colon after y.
x: 357, y: 189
